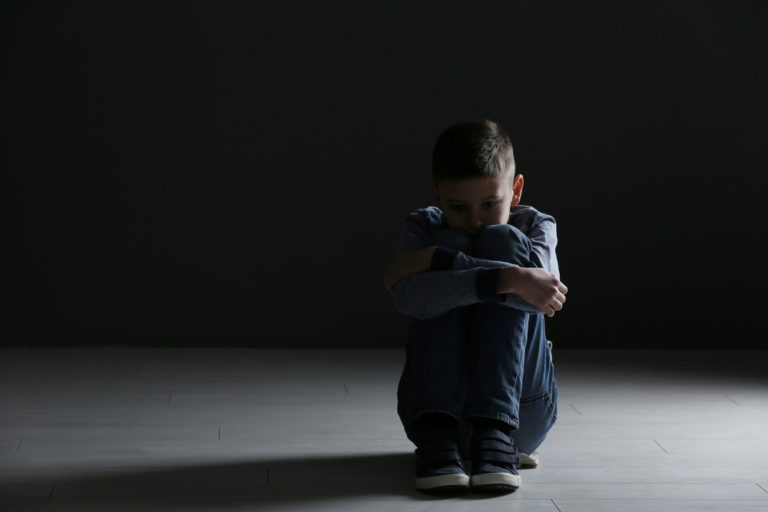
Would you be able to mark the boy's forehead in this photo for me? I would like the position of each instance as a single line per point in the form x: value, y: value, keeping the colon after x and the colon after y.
x: 474, y: 187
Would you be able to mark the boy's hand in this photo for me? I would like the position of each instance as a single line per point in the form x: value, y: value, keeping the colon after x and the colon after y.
x: 535, y: 286
x: 408, y: 264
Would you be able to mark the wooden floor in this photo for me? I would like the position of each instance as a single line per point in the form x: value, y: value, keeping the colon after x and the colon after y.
x: 109, y: 429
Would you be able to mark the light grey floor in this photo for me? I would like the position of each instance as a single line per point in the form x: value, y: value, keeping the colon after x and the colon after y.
x: 112, y: 429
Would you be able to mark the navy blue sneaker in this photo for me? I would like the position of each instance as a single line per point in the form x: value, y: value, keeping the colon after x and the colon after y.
x: 494, y: 461
x: 439, y: 468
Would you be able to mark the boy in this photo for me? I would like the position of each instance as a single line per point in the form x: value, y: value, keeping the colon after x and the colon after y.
x: 477, y: 274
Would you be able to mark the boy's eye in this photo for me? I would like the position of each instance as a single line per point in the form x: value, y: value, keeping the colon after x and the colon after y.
x: 490, y: 204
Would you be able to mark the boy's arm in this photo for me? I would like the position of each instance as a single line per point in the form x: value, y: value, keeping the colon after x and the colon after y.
x: 543, y: 236
x: 434, y: 284
x: 431, y: 294
x: 512, y: 281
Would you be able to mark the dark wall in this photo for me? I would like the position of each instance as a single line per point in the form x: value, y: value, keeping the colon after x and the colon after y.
x: 222, y: 174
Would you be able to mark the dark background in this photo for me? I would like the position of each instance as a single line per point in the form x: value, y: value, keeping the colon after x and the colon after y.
x: 230, y: 174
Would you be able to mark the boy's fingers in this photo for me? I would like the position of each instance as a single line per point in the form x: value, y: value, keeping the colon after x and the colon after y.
x: 555, y: 305
x: 563, y: 288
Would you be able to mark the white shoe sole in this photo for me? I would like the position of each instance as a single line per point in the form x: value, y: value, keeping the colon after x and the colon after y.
x: 528, y: 460
x: 437, y: 482
x: 495, y: 479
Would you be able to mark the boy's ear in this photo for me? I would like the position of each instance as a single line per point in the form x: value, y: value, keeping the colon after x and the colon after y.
x: 433, y: 188
x: 517, y: 190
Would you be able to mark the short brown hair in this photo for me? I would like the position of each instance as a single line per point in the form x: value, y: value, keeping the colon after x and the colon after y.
x: 472, y: 149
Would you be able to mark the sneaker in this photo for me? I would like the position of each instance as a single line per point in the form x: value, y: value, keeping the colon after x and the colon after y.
x: 494, y: 462
x: 438, y: 465
x: 528, y: 460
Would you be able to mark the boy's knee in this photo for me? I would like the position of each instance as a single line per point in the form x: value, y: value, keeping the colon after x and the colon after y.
x: 453, y: 239
x: 504, y: 242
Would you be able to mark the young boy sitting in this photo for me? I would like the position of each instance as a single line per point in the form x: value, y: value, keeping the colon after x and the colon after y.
x: 477, y: 274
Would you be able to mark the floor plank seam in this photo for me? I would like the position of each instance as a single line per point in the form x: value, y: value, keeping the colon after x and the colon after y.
x: 50, y: 494
x: 659, y: 445
x: 18, y: 447
x: 575, y: 409
x: 555, y: 504
x: 761, y: 487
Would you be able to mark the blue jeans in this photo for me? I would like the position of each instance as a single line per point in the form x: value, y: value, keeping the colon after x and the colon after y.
x: 483, y: 360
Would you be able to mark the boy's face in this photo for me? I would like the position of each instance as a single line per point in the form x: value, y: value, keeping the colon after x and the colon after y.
x: 472, y: 204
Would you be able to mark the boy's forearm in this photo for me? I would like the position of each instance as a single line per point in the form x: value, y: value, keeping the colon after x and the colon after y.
x: 499, y: 290
x: 434, y: 258
x: 429, y: 282
x: 408, y: 264
x: 431, y: 294
x: 536, y: 286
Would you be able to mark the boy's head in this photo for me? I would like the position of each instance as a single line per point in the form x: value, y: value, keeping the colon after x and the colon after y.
x: 473, y: 175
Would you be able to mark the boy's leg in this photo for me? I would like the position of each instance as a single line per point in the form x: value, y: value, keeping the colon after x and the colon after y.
x: 433, y: 377
x: 435, y: 366
x: 511, y: 375
x: 538, y: 402
x: 431, y: 390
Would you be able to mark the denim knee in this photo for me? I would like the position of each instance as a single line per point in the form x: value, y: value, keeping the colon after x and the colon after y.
x: 504, y: 242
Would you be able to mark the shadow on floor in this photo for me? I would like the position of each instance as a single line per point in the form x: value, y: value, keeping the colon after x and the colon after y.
x: 261, y: 482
